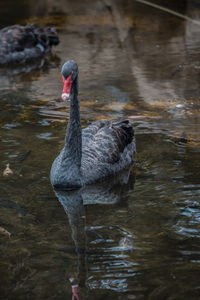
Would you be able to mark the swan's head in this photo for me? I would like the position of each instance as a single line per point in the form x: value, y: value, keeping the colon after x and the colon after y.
x: 69, y: 74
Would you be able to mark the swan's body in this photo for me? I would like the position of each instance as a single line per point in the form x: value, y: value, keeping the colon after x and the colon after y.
x: 90, y: 155
x: 19, y: 44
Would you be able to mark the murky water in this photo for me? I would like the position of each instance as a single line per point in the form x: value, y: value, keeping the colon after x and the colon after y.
x: 137, y: 236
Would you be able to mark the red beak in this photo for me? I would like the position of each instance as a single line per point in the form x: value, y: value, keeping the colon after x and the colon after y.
x: 67, y: 83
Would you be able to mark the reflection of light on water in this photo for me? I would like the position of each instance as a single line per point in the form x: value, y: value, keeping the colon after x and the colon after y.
x: 11, y: 125
x: 109, y: 260
x: 126, y: 242
x: 45, y: 136
x: 189, y: 212
x: 114, y: 284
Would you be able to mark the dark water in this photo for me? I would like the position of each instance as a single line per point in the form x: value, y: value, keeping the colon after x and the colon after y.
x: 136, y: 237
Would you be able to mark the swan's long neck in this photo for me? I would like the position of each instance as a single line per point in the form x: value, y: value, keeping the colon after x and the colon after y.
x: 73, y: 140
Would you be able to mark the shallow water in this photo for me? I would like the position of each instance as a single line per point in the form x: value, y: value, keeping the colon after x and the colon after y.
x: 139, y: 239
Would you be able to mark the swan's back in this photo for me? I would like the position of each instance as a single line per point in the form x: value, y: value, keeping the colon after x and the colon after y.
x: 107, y: 148
x: 19, y: 44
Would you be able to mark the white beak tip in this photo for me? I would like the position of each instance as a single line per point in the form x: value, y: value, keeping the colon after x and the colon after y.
x: 65, y: 96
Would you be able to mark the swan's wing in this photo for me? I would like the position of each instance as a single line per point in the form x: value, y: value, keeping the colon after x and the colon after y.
x: 107, y: 147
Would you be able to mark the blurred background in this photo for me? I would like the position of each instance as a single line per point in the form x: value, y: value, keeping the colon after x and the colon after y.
x: 135, y: 58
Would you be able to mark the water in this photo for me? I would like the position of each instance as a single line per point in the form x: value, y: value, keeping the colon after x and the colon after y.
x: 135, y: 237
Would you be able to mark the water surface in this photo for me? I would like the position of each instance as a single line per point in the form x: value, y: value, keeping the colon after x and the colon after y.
x: 134, y: 237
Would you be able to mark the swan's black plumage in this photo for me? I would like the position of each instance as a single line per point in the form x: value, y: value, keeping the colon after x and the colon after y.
x: 102, y: 149
x: 19, y: 44
x: 107, y: 148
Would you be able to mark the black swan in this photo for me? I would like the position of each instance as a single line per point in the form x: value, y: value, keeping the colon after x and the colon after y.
x: 102, y: 149
x: 19, y: 44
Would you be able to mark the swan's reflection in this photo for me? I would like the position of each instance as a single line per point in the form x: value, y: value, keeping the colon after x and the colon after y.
x: 8, y: 73
x: 96, y: 245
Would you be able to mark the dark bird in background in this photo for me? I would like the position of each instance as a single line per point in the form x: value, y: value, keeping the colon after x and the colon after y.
x: 20, y: 44
x: 90, y: 155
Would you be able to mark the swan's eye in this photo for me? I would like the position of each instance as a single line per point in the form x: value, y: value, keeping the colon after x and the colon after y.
x: 67, y: 83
